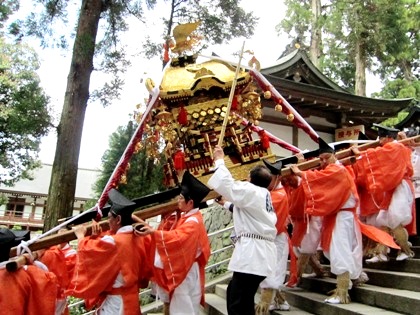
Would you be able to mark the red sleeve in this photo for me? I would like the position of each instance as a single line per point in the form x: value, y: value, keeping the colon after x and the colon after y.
x: 95, y: 270
x: 43, y: 293
x: 320, y: 186
x: 281, y: 207
x: 386, y: 166
x: 178, y: 249
x: 54, y: 259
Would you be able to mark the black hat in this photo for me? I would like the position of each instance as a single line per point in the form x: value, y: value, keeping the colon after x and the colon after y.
x: 324, y: 147
x: 275, y: 167
x: 192, y: 188
x: 341, y: 146
x: 120, y: 204
x: 384, y: 131
x: 7, y: 241
x: 362, y: 136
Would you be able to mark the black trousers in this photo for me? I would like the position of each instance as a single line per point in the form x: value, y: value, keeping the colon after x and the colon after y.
x: 240, y: 293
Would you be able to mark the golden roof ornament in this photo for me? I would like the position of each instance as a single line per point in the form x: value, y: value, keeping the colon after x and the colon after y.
x: 185, y: 38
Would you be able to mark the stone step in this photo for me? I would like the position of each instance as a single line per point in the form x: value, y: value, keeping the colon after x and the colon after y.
x: 394, y: 279
x: 396, y: 300
x: 414, y: 248
x: 156, y: 307
x: 415, y: 240
x: 202, y: 312
x: 216, y: 303
x: 410, y: 265
x: 313, y: 302
x: 391, y: 279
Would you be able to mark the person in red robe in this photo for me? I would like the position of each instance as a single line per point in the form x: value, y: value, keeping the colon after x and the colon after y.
x: 60, y: 260
x: 111, y: 269
x: 305, y: 239
x: 384, y: 176
x: 182, y: 252
x: 331, y: 193
x: 31, y: 289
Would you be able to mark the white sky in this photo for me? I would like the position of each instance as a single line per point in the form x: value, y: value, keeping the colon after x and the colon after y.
x: 101, y: 122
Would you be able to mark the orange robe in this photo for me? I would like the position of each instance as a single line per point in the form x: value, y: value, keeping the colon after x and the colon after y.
x: 55, y: 260
x: 384, y: 169
x: 281, y: 207
x: 326, y: 192
x: 297, y: 204
x: 27, y: 291
x: 178, y: 250
x: 99, y: 264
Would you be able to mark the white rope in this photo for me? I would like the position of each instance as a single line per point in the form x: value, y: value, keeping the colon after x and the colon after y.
x: 23, y: 246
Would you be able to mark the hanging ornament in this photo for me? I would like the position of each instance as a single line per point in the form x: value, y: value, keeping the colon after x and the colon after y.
x: 183, y: 116
x: 234, y: 105
x: 265, y: 141
x: 137, y: 147
x: 267, y: 95
x: 278, y: 108
x: 123, y: 179
x: 290, y: 117
x: 179, y: 160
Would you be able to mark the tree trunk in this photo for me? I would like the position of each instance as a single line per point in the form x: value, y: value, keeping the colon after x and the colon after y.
x: 360, y: 76
x: 315, y: 49
x: 69, y: 134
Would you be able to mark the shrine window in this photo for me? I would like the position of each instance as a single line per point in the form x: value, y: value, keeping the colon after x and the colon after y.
x: 15, y: 207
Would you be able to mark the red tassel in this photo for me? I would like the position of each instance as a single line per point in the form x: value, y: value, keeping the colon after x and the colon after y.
x: 234, y: 105
x: 265, y: 140
x: 165, y: 53
x: 182, y: 116
x: 179, y: 160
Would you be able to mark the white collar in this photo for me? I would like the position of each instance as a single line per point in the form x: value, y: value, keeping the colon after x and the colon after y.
x: 125, y: 229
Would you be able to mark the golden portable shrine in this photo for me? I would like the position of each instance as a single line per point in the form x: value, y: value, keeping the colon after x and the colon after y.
x: 197, y: 104
x: 192, y: 107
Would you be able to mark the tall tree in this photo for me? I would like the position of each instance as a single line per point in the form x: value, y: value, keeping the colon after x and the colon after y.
x: 113, y: 14
x: 398, y: 49
x: 304, y: 25
x: 24, y: 112
x: 358, y: 36
x: 316, y: 31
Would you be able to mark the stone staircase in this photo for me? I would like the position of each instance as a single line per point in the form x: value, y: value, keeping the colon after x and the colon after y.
x: 393, y: 288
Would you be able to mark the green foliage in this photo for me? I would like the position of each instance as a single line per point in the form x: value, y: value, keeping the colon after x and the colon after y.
x: 400, y: 88
x: 391, y: 122
x: 3, y: 199
x: 7, y: 8
x: 76, y: 310
x: 221, y: 21
x: 298, y: 20
x: 384, y: 32
x: 144, y: 176
x: 24, y: 112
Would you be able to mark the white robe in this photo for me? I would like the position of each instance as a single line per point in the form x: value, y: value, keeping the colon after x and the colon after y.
x: 253, y: 213
x: 346, y: 247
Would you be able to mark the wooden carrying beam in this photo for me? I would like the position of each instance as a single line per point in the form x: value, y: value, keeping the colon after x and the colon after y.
x: 144, y: 214
x: 342, y: 156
